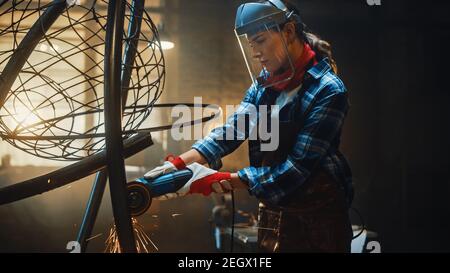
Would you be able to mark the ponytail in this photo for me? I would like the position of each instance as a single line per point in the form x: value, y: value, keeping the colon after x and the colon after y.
x: 321, y: 47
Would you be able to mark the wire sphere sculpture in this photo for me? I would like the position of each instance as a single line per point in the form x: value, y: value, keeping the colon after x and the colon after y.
x: 54, y: 109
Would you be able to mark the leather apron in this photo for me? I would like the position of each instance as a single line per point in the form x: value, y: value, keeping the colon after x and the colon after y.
x: 314, y: 218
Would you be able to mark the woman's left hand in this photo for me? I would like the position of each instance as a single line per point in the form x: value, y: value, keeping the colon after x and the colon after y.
x: 204, y: 180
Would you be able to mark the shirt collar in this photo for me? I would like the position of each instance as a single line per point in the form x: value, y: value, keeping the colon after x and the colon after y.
x: 319, y: 69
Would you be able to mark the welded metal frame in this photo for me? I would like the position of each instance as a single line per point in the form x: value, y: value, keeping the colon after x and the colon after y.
x: 27, y: 45
x: 113, y: 115
x: 111, y: 160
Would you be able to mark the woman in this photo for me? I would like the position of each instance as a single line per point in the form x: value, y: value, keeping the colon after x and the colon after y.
x: 304, y: 186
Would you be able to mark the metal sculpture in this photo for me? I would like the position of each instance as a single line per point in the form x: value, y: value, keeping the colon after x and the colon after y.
x: 115, y: 91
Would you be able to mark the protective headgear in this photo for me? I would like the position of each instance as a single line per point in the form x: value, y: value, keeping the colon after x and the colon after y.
x: 256, y: 25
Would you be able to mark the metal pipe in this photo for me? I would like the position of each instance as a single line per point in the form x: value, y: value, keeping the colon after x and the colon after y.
x: 127, y: 132
x: 92, y: 208
x: 71, y: 173
x: 98, y: 187
x: 134, y: 30
x: 113, y: 125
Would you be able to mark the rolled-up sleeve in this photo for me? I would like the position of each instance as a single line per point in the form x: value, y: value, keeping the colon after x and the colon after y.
x: 227, y: 138
x: 321, y: 125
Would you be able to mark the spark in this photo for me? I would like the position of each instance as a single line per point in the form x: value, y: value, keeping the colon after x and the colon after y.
x: 142, y: 239
x: 93, y: 237
x: 176, y: 214
x: 274, y: 229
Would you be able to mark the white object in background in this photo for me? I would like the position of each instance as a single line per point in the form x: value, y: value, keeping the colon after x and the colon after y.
x: 359, y: 242
x: 72, y: 2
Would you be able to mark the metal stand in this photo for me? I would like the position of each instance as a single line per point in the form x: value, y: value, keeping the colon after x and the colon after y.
x: 113, y: 125
x: 98, y: 187
x: 92, y: 207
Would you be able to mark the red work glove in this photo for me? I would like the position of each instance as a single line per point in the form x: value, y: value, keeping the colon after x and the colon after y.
x: 176, y: 161
x: 211, y: 183
x: 204, y: 180
x: 171, y: 164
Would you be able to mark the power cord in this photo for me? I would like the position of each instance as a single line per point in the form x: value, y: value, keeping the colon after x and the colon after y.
x: 363, y: 225
x: 232, y: 222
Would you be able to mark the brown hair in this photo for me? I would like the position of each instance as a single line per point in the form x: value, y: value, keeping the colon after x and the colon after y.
x: 320, y: 46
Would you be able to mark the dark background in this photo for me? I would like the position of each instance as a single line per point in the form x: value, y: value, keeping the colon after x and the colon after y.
x: 393, y: 59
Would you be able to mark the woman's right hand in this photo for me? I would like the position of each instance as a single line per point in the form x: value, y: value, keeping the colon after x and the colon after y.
x: 170, y: 165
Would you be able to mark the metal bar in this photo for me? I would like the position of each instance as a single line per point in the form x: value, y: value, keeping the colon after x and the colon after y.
x: 92, y: 208
x: 113, y: 125
x: 134, y: 30
x: 3, y: 2
x: 127, y: 132
x: 71, y: 173
x: 26, y: 47
x: 98, y: 187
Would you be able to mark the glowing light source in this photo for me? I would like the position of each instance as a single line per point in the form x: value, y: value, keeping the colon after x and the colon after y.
x: 25, y: 118
x: 164, y: 37
x: 166, y: 45
x: 47, y: 48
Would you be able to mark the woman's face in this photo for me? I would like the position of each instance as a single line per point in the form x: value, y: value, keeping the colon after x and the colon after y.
x: 269, y: 50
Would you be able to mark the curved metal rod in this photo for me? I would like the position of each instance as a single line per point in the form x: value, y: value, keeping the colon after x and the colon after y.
x: 143, y: 107
x: 27, y: 45
x: 71, y: 173
x: 126, y: 132
x: 134, y: 27
x: 77, y: 170
x: 3, y: 2
x: 92, y: 208
x: 113, y: 125
x: 98, y: 188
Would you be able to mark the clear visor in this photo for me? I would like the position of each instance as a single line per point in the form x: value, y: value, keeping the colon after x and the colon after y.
x: 266, y: 56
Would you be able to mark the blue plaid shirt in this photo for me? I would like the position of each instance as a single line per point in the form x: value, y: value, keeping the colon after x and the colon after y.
x: 323, y: 105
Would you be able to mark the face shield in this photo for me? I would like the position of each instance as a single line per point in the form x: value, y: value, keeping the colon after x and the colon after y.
x: 263, y: 44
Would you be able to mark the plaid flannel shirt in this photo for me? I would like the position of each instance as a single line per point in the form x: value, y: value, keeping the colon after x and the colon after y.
x: 323, y: 105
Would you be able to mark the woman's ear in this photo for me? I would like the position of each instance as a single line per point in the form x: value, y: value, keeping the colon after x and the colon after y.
x: 289, y: 30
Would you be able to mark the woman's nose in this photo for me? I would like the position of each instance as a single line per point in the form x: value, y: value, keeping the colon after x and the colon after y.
x: 256, y: 54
